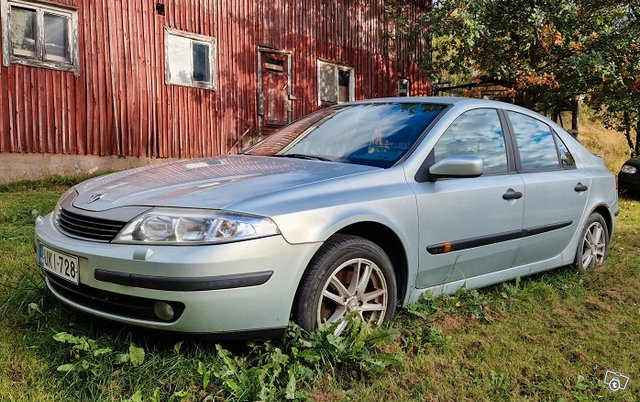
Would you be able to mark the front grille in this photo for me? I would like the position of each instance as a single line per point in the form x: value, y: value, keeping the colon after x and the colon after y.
x: 88, y: 227
x: 109, y: 302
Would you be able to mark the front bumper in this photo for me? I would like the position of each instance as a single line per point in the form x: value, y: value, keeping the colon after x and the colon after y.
x: 234, y: 287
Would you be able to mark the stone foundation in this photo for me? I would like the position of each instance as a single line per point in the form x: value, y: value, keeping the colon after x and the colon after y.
x: 14, y: 167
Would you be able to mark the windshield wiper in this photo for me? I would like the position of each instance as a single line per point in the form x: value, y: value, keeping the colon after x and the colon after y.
x: 303, y: 156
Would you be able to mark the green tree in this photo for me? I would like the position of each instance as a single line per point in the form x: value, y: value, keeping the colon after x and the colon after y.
x: 617, y: 92
x: 545, y: 51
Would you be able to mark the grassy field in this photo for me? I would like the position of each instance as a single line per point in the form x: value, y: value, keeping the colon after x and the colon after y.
x: 548, y: 337
x: 609, y: 144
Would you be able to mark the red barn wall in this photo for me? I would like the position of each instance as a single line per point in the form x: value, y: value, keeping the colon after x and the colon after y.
x: 120, y: 105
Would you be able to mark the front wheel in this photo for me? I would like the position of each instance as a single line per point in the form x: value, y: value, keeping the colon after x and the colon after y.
x: 594, y: 246
x: 349, y: 275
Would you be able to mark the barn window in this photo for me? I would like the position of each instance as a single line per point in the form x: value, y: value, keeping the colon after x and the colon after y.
x: 404, y: 87
x: 335, y: 83
x: 39, y: 35
x: 190, y: 59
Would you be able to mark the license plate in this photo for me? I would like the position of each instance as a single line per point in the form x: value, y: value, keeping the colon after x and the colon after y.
x: 63, y: 265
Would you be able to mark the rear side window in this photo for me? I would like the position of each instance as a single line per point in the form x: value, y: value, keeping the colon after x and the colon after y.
x: 535, y: 142
x: 566, y: 159
x: 476, y: 133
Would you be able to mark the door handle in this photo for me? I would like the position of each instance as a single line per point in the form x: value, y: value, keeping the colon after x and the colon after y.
x: 580, y: 188
x: 511, y: 195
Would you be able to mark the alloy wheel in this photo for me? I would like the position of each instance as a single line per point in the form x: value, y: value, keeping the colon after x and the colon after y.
x: 594, y: 245
x: 358, y: 287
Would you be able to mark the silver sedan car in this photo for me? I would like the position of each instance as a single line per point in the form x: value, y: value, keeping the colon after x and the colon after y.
x: 352, y: 210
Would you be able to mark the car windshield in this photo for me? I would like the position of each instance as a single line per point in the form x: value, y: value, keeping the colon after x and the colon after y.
x: 375, y: 134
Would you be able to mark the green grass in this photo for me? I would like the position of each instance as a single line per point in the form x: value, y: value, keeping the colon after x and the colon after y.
x: 547, y: 337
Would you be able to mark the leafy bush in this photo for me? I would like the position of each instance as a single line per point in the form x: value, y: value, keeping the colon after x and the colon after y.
x: 471, y: 302
x: 269, y: 371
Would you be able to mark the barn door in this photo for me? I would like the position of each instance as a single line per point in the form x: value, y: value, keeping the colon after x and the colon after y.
x: 274, y: 89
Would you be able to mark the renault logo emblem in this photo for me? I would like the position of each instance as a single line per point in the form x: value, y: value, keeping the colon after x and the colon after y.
x: 95, y: 197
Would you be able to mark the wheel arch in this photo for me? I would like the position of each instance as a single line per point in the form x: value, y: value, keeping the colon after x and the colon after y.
x: 603, y: 210
x: 388, y: 240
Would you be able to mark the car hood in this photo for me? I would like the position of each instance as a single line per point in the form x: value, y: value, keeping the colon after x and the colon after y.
x: 216, y: 183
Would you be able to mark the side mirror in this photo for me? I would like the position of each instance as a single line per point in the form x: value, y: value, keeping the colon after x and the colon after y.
x: 457, y: 166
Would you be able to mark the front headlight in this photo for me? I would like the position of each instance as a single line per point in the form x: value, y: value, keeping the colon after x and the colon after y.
x: 183, y: 226
x: 629, y: 169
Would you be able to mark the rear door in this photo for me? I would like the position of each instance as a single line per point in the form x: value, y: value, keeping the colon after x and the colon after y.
x: 556, y: 192
x: 467, y: 227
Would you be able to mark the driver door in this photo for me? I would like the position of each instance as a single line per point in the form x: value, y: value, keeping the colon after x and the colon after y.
x: 469, y: 226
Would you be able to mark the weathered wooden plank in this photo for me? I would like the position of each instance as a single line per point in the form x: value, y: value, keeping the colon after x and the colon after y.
x: 119, y: 104
x: 140, y: 76
x: 31, y: 141
x: 19, y: 109
x: 52, y: 113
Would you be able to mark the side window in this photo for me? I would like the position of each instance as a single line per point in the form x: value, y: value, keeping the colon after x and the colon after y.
x: 566, y: 159
x: 535, y: 142
x: 475, y: 133
x: 190, y: 59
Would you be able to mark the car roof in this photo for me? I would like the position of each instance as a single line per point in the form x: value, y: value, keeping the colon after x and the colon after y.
x: 444, y: 100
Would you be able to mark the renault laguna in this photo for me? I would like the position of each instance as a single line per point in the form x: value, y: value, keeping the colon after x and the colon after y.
x: 350, y: 211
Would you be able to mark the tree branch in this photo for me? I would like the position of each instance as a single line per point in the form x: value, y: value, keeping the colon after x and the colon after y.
x: 482, y: 82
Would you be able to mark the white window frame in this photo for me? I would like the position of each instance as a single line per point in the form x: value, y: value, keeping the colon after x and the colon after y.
x: 209, y: 40
x: 337, y: 69
x: 407, y: 83
x: 8, y: 56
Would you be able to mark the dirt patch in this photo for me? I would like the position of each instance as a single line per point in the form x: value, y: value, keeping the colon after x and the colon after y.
x: 627, y: 295
x: 474, y: 349
x: 559, y: 313
x: 496, y: 314
x: 451, y: 323
x: 575, y: 355
x: 322, y: 396
x: 616, y: 295
x: 594, y: 304
x: 531, y: 337
x: 19, y: 374
x: 611, y: 327
x: 394, y: 347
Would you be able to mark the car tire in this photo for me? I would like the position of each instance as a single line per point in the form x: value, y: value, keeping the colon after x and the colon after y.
x: 329, y: 293
x: 594, y: 243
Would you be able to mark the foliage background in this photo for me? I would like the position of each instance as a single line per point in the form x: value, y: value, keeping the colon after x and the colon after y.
x: 545, y: 52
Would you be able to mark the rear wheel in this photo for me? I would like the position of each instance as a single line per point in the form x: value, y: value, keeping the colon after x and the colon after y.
x: 594, y: 246
x: 349, y: 275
